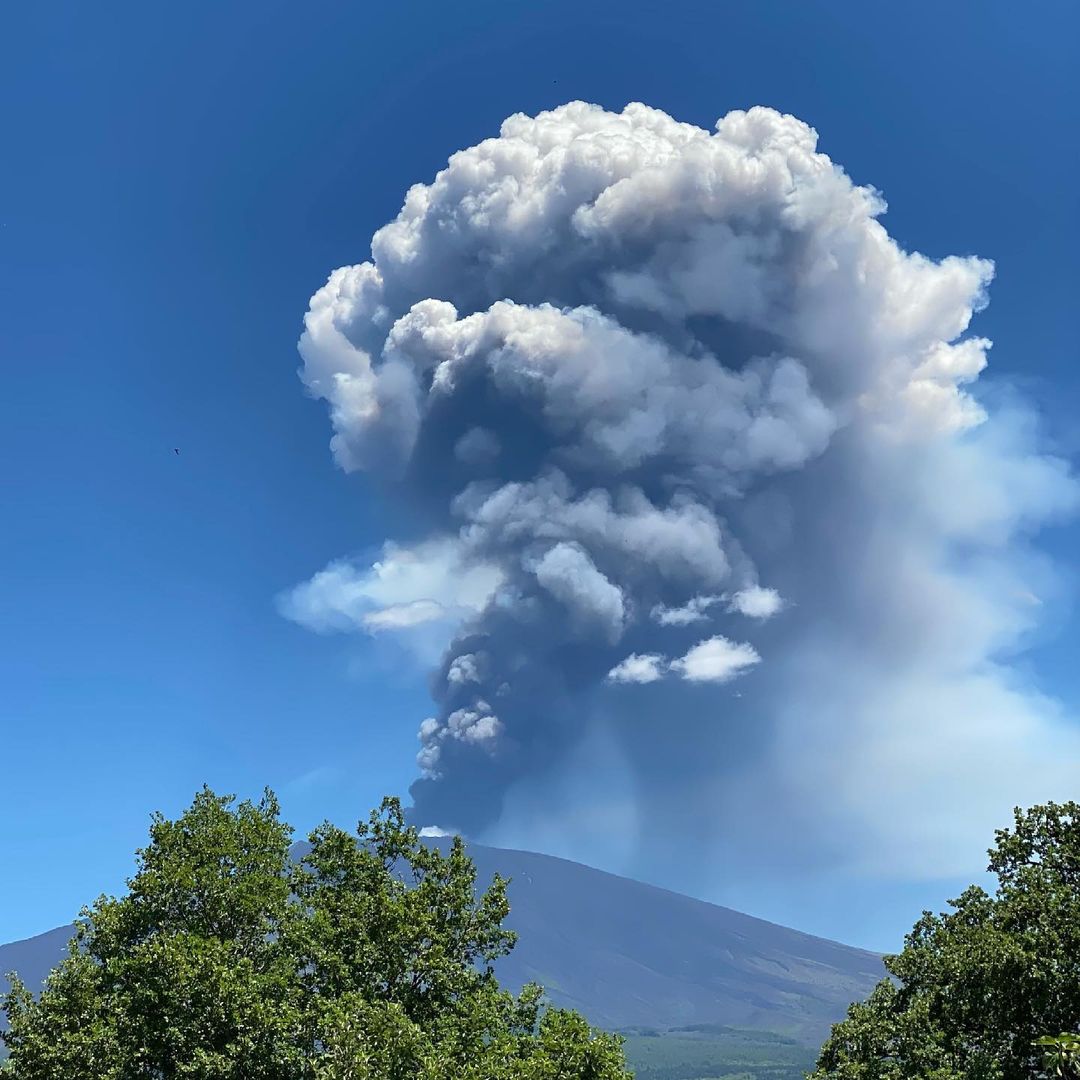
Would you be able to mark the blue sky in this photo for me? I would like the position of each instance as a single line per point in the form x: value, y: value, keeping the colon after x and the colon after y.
x: 179, y: 181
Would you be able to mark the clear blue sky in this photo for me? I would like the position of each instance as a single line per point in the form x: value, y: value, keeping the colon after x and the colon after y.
x: 178, y: 179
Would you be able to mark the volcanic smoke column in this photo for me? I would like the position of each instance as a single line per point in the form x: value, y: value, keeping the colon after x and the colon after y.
x: 692, y: 438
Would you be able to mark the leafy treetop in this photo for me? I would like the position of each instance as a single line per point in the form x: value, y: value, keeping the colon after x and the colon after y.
x: 976, y: 987
x: 368, y: 958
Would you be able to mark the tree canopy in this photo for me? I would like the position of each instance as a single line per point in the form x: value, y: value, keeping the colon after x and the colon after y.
x: 368, y: 957
x: 975, y: 988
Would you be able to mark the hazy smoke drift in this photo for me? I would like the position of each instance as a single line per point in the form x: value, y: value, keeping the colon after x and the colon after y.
x: 680, y: 413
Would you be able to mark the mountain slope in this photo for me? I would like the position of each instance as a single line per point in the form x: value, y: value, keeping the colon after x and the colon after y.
x: 33, y: 957
x: 633, y: 955
x: 629, y: 954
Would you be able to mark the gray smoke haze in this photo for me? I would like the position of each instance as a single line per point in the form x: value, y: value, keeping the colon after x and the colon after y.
x: 718, y: 537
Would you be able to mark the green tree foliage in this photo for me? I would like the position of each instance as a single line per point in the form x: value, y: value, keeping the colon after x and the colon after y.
x: 368, y: 959
x: 1061, y: 1054
x: 976, y: 987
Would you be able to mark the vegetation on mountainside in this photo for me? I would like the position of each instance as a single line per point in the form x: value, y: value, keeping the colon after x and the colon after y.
x: 369, y: 959
x: 975, y: 989
x: 714, y: 1052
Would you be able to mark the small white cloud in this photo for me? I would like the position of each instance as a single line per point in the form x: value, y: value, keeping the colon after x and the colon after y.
x: 408, y: 587
x: 434, y: 831
x: 464, y: 669
x: 638, y: 668
x: 477, y: 726
x: 473, y: 725
x: 693, y: 611
x: 716, y: 659
x: 756, y: 602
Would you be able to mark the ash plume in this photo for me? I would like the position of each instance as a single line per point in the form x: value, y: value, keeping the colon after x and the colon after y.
x: 712, y: 505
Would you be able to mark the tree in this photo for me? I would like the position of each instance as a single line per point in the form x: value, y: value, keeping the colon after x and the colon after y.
x: 369, y: 957
x: 1061, y: 1054
x: 976, y: 987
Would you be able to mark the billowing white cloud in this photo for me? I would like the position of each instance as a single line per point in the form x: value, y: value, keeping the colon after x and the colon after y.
x: 567, y: 572
x: 477, y: 726
x: 464, y: 669
x: 407, y: 587
x: 717, y: 660
x: 657, y: 402
x: 756, y: 602
x: 628, y: 368
x: 638, y: 668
